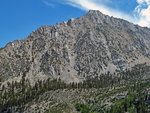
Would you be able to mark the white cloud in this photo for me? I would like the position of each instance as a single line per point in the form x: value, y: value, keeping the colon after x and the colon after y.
x: 48, y: 3
x: 99, y: 5
x: 143, y: 1
x: 146, y: 13
x: 142, y: 12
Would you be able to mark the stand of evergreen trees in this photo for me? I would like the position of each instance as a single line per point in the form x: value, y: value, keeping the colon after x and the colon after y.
x: 136, y: 101
x: 20, y: 93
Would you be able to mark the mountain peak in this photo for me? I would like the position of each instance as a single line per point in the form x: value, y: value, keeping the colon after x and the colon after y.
x: 94, y: 12
x: 86, y: 46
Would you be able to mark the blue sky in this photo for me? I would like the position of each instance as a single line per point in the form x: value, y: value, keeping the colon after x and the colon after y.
x: 18, y: 18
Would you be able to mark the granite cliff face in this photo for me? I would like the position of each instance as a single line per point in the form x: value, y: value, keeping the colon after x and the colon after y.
x: 87, y: 46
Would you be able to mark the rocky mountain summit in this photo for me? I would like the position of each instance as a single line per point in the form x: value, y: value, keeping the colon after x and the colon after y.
x: 87, y: 46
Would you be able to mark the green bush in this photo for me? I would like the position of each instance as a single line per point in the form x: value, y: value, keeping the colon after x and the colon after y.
x: 82, y: 107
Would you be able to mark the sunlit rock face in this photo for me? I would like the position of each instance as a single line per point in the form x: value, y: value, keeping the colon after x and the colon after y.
x: 87, y: 46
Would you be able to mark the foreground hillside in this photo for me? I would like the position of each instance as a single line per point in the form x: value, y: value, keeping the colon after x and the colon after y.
x: 126, y: 92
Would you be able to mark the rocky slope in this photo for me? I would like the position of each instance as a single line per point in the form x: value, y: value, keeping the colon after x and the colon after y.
x: 87, y: 46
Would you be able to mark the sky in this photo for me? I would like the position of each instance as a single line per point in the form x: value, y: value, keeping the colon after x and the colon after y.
x: 18, y: 18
